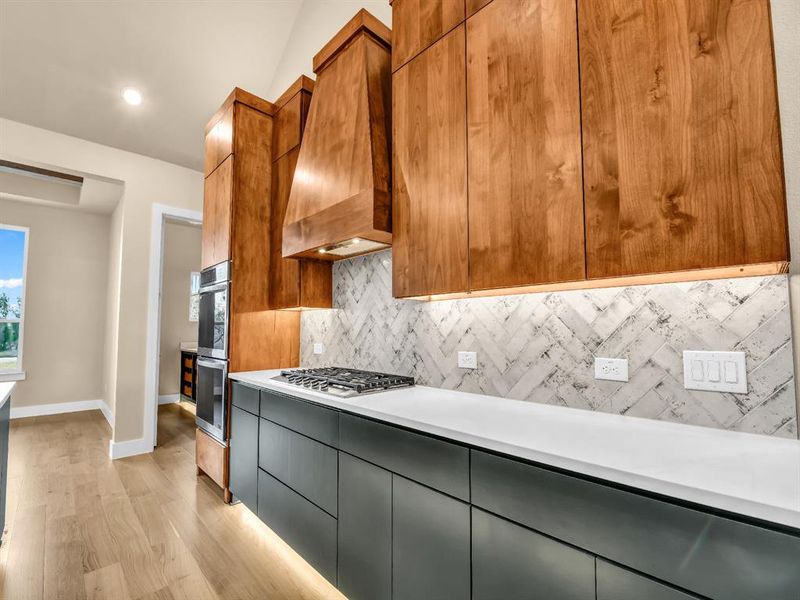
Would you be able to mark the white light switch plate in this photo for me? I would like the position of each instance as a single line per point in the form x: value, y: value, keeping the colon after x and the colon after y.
x: 319, y: 348
x: 468, y: 360
x: 715, y: 371
x: 611, y: 369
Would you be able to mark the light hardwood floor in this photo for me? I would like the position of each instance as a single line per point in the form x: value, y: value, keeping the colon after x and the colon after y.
x: 80, y: 526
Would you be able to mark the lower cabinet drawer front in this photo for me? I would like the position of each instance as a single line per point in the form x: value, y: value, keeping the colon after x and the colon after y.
x: 245, y: 397
x: 317, y: 422
x: 614, y: 583
x: 709, y: 555
x: 365, y: 530
x: 306, y: 466
x: 509, y: 561
x: 243, y: 450
x: 430, y: 544
x: 436, y: 463
x: 309, y: 530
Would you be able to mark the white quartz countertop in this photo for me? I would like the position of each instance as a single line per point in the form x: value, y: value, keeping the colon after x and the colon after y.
x: 752, y: 475
x: 5, y: 391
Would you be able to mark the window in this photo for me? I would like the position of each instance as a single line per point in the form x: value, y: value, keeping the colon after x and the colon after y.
x: 13, y: 260
x: 194, y: 297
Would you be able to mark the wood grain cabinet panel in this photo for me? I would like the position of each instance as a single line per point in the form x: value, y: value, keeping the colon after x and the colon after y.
x: 289, y: 121
x: 217, y: 200
x: 523, y: 115
x: 680, y: 136
x: 293, y: 282
x: 430, y: 246
x: 474, y: 6
x: 219, y: 139
x: 419, y: 23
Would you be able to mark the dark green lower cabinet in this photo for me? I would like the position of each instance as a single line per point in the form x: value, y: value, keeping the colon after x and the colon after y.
x: 243, y: 478
x: 509, y: 561
x: 365, y: 530
x: 308, y: 529
x: 430, y: 544
x: 614, y: 583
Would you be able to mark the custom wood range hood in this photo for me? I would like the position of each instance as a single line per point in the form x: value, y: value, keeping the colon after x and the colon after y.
x: 340, y: 204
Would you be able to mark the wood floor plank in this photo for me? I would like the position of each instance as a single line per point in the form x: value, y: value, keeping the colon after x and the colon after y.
x: 80, y: 526
x: 106, y: 583
x: 25, y: 567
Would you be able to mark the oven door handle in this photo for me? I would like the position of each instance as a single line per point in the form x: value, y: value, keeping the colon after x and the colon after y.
x: 213, y: 288
x: 211, y: 363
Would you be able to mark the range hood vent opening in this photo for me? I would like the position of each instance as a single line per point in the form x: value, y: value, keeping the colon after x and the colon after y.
x: 342, y: 184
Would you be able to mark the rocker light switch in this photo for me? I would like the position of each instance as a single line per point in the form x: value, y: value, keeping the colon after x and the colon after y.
x: 715, y: 371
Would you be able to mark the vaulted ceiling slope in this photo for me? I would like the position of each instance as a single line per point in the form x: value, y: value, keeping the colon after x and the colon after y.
x: 63, y: 66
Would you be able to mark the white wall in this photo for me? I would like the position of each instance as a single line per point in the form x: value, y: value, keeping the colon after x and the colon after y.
x: 65, y: 291
x: 181, y: 257
x: 786, y: 27
x: 146, y: 181
x: 316, y: 23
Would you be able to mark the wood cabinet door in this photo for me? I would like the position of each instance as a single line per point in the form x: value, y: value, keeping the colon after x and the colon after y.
x: 523, y: 115
x: 293, y: 282
x: 219, y: 140
x: 680, y: 136
x: 284, y: 273
x: 429, y: 178
x: 416, y: 24
x: 217, y: 197
x: 288, y: 124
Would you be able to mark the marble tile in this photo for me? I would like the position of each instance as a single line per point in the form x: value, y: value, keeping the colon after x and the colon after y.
x: 541, y: 347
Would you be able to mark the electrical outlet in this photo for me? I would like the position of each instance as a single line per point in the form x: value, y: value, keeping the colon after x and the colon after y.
x: 611, y: 369
x: 319, y: 348
x: 715, y: 371
x: 468, y: 360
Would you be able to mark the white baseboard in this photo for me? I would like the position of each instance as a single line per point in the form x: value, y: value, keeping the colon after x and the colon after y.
x: 129, y: 448
x: 169, y: 399
x: 106, y: 410
x: 38, y: 410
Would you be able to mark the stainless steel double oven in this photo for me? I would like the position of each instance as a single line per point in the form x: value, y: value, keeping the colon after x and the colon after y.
x: 212, y: 351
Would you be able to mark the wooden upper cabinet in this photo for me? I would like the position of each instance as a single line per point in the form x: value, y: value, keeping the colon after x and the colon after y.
x: 681, y: 141
x: 419, y: 23
x: 429, y: 186
x: 217, y: 196
x: 293, y: 283
x: 524, y: 141
x: 219, y: 138
x: 290, y: 118
x: 474, y: 6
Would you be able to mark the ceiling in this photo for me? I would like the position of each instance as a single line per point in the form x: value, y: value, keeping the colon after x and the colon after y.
x: 63, y: 66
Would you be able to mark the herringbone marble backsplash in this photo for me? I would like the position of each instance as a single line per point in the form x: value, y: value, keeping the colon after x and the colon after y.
x: 540, y: 347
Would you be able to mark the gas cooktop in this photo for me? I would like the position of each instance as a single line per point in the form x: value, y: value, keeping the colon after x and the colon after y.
x: 344, y: 382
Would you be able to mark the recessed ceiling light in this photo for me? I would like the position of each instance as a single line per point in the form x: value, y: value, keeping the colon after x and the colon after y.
x: 132, y: 96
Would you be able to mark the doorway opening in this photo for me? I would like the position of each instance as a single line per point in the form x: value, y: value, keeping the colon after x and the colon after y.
x: 172, y: 323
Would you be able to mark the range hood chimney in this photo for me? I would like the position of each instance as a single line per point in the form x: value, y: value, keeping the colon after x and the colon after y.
x: 340, y: 203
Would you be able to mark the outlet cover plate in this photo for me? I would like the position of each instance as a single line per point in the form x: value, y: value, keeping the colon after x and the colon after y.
x: 715, y: 371
x: 611, y: 369
x: 319, y: 348
x: 468, y: 360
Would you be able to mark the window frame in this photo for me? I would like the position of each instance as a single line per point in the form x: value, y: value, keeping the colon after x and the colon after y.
x: 19, y: 373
